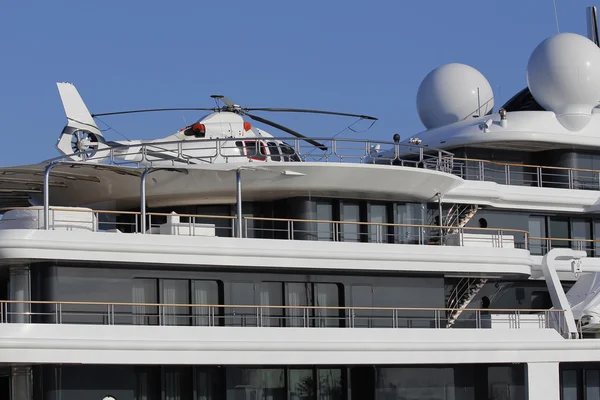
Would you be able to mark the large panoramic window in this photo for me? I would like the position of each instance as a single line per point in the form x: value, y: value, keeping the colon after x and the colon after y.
x: 144, y: 291
x: 297, y: 294
x: 255, y: 383
x: 581, y: 229
x: 172, y: 293
x: 537, y: 229
x: 377, y: 214
x: 350, y: 212
x: 402, y: 293
x: 271, y: 294
x: 559, y: 229
x: 324, y: 213
x: 205, y: 293
x: 242, y: 293
x: 580, y: 381
x: 408, y: 214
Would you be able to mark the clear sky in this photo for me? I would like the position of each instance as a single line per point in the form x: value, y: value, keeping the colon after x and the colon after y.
x: 355, y: 56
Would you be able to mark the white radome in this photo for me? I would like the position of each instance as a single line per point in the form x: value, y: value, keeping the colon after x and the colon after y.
x: 563, y: 75
x: 450, y: 93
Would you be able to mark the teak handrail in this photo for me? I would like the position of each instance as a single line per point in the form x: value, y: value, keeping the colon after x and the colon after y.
x: 96, y: 303
x: 295, y: 220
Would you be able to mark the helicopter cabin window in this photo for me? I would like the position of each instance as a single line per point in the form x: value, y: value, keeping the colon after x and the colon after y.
x: 274, y: 150
x: 289, y: 153
x: 251, y: 151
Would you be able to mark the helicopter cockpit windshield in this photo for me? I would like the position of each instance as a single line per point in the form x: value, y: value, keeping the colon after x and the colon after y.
x: 259, y: 150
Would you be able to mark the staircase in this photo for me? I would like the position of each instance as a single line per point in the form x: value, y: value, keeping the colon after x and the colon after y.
x: 459, y: 215
x: 461, y: 297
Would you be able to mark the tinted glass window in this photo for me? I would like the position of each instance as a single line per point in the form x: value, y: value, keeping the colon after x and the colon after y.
x: 582, y: 229
x: 378, y: 215
x: 537, y: 229
x: 350, y: 212
x: 559, y: 228
x: 274, y: 150
x: 255, y: 384
x: 324, y: 213
x: 297, y: 294
x: 290, y: 153
x: 330, y: 383
x: 145, y: 291
x: 174, y: 292
x: 242, y: 293
x: 302, y: 384
x: 204, y: 292
x: 569, y: 385
x: 271, y: 294
x: 409, y: 214
x: 327, y: 295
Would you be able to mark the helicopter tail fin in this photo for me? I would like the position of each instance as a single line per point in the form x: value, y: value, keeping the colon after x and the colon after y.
x: 76, y: 111
x: 81, y: 138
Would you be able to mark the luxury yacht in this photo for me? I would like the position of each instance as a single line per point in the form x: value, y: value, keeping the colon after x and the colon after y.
x: 222, y: 262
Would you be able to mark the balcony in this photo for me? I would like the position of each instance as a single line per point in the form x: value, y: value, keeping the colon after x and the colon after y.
x: 271, y: 316
x: 81, y: 219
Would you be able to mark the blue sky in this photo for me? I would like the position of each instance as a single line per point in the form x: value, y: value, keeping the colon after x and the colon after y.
x: 353, y: 56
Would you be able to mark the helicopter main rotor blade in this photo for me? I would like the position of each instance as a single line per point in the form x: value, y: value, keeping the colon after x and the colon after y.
x: 288, y: 130
x: 154, y: 110
x: 302, y: 110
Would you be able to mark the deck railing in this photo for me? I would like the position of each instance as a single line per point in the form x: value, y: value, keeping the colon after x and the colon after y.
x: 526, y: 174
x: 252, y: 149
x: 278, y: 228
x: 261, y: 150
x: 213, y: 315
x: 307, y: 229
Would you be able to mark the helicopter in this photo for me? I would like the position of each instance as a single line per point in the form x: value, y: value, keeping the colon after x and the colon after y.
x: 219, y: 137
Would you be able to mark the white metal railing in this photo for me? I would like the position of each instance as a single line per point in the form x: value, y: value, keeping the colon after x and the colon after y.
x: 261, y: 150
x: 305, y: 229
x: 526, y: 175
x: 102, y: 313
x: 236, y: 150
x: 60, y: 218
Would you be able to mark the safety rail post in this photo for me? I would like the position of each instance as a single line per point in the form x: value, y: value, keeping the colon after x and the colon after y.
x: 481, y: 171
x: 145, y: 174
x: 238, y: 191
x: 570, y: 177
x: 47, y: 170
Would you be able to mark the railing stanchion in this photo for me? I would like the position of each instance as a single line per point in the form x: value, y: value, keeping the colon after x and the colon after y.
x: 238, y: 192
x: 47, y: 195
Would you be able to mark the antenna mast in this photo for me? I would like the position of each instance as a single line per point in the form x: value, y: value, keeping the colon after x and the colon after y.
x: 592, y: 24
x: 556, y: 16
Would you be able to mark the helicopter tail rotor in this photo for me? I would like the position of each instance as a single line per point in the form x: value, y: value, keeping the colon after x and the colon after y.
x: 80, y: 139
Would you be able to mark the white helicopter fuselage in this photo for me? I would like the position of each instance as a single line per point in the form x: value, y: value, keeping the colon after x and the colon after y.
x: 220, y: 137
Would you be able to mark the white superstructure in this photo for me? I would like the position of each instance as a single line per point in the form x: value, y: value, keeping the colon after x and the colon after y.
x: 224, y: 263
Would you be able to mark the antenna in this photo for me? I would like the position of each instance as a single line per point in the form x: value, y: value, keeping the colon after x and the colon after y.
x: 556, y: 17
x: 592, y: 24
x: 478, y: 103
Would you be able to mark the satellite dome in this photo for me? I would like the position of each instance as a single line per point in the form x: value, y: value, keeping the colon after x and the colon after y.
x: 563, y: 75
x: 451, y: 93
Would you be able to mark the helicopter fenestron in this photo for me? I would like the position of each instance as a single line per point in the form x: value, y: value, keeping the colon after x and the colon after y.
x: 221, y: 136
